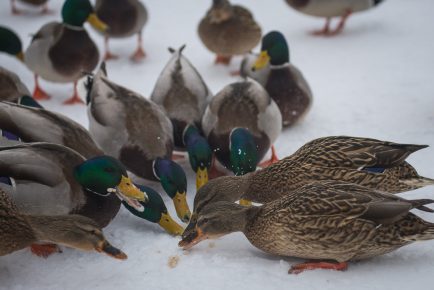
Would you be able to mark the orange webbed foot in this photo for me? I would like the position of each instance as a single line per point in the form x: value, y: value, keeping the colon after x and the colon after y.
x: 138, y: 55
x: 273, y: 159
x: 44, y: 250
x: 297, y: 269
x: 223, y: 59
x: 40, y: 95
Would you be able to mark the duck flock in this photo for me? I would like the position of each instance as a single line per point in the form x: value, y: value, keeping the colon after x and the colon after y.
x: 331, y: 202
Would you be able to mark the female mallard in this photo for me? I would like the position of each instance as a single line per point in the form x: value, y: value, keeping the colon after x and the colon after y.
x: 378, y: 165
x: 241, y: 123
x: 137, y: 132
x: 19, y: 231
x: 320, y: 221
x: 282, y: 80
x: 181, y: 91
x: 11, y: 87
x: 42, y: 3
x: 333, y: 8
x: 125, y: 18
x: 61, y: 52
x: 228, y: 30
x: 25, y: 124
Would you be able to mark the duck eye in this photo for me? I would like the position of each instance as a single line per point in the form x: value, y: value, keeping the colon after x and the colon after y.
x: 109, y: 169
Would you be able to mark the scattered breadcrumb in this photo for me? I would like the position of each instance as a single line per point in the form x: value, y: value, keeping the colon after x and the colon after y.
x: 211, y: 245
x: 173, y: 261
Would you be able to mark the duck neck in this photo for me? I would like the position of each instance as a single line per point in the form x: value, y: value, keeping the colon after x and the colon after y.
x: 47, y: 228
x: 239, y: 218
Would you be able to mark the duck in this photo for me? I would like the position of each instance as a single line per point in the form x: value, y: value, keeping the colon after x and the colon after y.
x: 10, y: 43
x: 125, y: 19
x: 42, y: 3
x: 241, y: 123
x: 374, y: 164
x: 228, y: 30
x: 19, y: 231
x: 328, y: 10
x: 183, y: 94
x: 11, y: 86
x: 283, y: 81
x: 329, y: 222
x: 137, y: 132
x: 61, y: 51
x: 22, y: 123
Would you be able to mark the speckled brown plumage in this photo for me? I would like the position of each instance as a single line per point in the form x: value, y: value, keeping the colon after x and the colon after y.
x: 229, y: 29
x: 11, y: 87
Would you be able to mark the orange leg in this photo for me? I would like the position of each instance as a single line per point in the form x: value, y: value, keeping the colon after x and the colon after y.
x: 44, y: 250
x: 272, y: 160
x: 108, y: 55
x: 297, y: 269
x: 75, y: 99
x: 223, y: 59
x: 213, y: 171
x: 39, y: 94
x: 14, y: 9
x: 235, y: 73
x: 176, y: 157
x: 325, y: 30
x: 139, y: 54
x: 341, y: 24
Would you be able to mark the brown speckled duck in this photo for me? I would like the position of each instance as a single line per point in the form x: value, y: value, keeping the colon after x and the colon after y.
x: 19, y: 231
x: 329, y: 222
x: 228, y: 30
x: 378, y: 165
x: 332, y: 8
x: 35, y: 3
x: 11, y: 87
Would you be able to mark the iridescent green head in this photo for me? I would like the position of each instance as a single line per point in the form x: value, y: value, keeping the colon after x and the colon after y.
x: 11, y: 43
x: 199, y: 154
x: 172, y: 178
x: 243, y: 151
x: 155, y: 211
x: 77, y: 12
x: 29, y: 102
x: 274, y: 50
x: 104, y: 175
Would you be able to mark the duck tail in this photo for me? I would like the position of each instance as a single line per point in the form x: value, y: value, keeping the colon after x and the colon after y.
x: 88, y: 84
x: 418, y: 182
x: 424, y: 235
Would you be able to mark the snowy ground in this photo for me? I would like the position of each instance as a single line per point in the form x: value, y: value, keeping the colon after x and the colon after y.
x: 374, y: 80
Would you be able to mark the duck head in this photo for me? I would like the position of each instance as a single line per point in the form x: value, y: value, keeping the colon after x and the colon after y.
x: 155, y: 211
x: 220, y: 11
x: 172, y: 178
x: 77, y: 12
x: 274, y: 51
x: 199, y: 154
x: 243, y: 151
x: 10, y: 43
x: 104, y: 175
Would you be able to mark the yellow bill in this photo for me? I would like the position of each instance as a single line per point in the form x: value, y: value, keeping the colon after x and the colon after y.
x: 262, y: 61
x: 128, y: 189
x: 20, y: 56
x: 167, y: 223
x: 245, y: 202
x: 201, y: 177
x: 181, y: 206
x: 94, y: 20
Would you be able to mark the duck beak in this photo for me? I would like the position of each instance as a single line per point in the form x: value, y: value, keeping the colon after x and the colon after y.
x: 201, y: 177
x: 111, y: 251
x: 20, y: 56
x: 181, y: 206
x: 167, y: 223
x: 193, y: 238
x: 261, y: 61
x: 128, y: 189
x: 94, y: 20
x: 191, y: 226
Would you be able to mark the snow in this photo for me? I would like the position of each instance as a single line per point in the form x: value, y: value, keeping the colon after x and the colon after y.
x: 374, y: 80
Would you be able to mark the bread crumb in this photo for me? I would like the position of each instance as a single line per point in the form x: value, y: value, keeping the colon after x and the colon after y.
x: 211, y: 245
x: 173, y: 261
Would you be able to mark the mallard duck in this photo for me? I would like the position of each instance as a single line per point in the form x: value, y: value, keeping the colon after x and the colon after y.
x: 23, y: 123
x: 10, y: 43
x: 42, y: 3
x: 282, y: 80
x: 241, y: 123
x: 228, y: 30
x: 137, y: 132
x: 61, y: 51
x: 125, y: 18
x: 375, y: 164
x: 19, y: 231
x: 181, y: 91
x: 329, y: 9
x: 51, y: 179
x: 11, y: 87
x: 322, y: 221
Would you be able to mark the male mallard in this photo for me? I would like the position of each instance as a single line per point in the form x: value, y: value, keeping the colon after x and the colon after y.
x: 241, y: 123
x: 61, y: 51
x: 137, y: 132
x: 181, y: 91
x: 42, y: 3
x: 19, y: 231
x: 11, y: 87
x: 26, y: 123
x: 283, y: 81
x: 378, y: 165
x: 329, y: 9
x: 321, y: 221
x: 10, y: 43
x: 228, y: 30
x: 125, y: 18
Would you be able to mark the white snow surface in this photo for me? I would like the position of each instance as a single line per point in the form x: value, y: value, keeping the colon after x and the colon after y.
x: 375, y: 80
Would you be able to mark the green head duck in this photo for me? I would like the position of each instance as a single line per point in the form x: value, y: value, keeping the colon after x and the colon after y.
x: 77, y: 12
x: 243, y: 152
x: 10, y: 43
x: 274, y: 51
